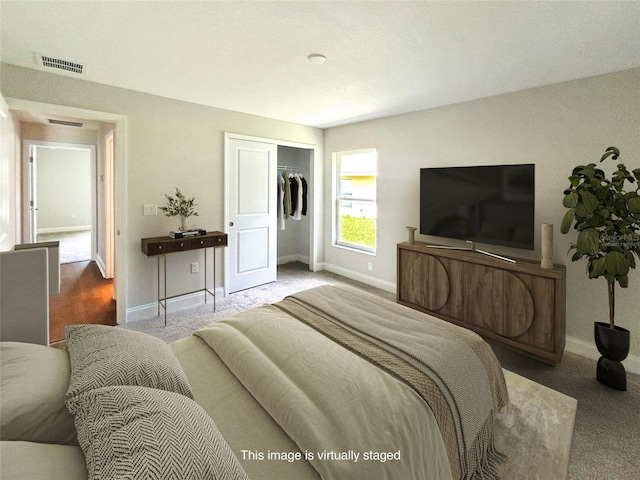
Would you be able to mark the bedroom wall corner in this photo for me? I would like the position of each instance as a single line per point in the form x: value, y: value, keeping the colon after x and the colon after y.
x: 555, y: 127
x: 10, y: 178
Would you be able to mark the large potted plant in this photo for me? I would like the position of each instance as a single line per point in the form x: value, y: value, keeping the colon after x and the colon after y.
x: 606, y: 214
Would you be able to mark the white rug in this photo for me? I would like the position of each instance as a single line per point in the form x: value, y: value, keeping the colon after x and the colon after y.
x: 536, y: 434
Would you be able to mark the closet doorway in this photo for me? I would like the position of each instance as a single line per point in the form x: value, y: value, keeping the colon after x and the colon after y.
x: 251, y: 195
x: 294, y: 230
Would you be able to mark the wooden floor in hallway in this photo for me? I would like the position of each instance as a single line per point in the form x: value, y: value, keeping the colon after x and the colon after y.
x: 85, y: 297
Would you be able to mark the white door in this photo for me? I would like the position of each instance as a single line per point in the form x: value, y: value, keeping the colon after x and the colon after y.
x: 251, y: 196
x: 109, y: 204
x: 33, y: 196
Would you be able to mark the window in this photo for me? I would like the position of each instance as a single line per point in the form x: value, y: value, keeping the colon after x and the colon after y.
x: 355, y: 199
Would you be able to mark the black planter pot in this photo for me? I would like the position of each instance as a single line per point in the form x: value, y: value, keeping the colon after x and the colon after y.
x: 613, y: 345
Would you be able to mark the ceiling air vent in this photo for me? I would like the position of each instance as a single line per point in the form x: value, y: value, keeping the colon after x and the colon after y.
x: 64, y: 122
x: 60, y: 64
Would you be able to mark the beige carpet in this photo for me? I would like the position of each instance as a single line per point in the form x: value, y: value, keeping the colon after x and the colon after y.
x: 74, y: 246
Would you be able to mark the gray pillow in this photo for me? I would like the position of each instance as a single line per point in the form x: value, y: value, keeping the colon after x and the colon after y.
x: 139, y: 432
x: 33, y: 381
x: 41, y: 461
x: 102, y: 356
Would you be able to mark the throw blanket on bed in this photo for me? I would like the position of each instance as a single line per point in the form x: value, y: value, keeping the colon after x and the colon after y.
x: 336, y: 406
x: 451, y: 368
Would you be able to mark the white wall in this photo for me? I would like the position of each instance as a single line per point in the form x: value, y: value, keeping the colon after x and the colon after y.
x: 64, y: 183
x: 41, y: 132
x: 9, y: 178
x: 556, y: 127
x: 169, y: 144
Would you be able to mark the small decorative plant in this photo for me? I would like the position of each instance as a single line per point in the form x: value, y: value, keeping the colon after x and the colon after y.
x: 607, y: 218
x: 180, y: 206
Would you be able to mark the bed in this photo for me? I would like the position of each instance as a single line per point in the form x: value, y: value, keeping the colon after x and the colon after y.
x: 329, y: 383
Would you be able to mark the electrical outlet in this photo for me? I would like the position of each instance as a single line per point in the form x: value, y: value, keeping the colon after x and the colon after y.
x: 370, y: 266
x: 195, y: 267
x: 150, y: 209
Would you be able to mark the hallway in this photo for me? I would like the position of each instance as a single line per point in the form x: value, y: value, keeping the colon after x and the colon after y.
x: 85, y: 297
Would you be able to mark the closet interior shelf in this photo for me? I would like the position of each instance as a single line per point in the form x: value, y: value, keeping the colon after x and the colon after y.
x: 288, y: 167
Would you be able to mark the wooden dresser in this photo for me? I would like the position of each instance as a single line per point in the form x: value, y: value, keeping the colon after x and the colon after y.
x: 521, y: 305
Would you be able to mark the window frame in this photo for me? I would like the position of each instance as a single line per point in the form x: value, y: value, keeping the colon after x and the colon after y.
x: 339, y: 197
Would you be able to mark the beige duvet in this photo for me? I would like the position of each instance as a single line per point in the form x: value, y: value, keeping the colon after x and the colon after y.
x: 294, y: 404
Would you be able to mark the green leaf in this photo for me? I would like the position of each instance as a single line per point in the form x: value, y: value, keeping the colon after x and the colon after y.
x: 590, y: 201
x: 634, y: 205
x: 630, y: 258
x: 623, y: 281
x: 582, y: 211
x: 567, y: 220
x: 595, y: 182
x: 616, y: 264
x: 571, y: 200
x: 588, y: 241
x: 586, y: 170
x: 611, y: 151
x: 598, y: 267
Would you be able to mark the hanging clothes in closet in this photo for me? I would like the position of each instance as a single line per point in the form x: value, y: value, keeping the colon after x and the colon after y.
x: 304, y: 195
x: 280, y: 207
x: 287, y: 195
x: 295, y: 198
x: 292, y: 197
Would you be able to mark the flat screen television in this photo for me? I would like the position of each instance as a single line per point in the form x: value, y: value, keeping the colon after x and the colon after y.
x: 491, y: 204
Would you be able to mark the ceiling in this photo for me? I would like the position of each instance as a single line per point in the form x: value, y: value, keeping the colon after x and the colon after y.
x: 383, y: 57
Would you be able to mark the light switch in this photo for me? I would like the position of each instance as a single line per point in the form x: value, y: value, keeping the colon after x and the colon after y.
x: 150, y: 209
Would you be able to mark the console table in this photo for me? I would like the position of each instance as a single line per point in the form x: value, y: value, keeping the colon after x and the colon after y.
x: 521, y: 305
x: 159, y: 247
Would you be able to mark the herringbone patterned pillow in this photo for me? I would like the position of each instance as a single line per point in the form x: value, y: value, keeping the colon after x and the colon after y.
x: 102, y: 356
x: 141, y: 433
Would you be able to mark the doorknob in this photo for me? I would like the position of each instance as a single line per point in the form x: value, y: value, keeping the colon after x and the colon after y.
x: 231, y: 224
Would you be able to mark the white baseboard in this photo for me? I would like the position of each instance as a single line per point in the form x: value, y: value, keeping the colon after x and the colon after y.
x: 150, y: 310
x: 101, y: 266
x: 359, y: 277
x: 296, y: 257
x: 77, y: 228
x: 589, y: 350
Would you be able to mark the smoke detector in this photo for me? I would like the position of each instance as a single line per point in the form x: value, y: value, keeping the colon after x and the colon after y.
x: 60, y: 64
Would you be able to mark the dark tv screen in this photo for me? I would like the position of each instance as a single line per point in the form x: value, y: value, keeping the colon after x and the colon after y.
x: 491, y: 204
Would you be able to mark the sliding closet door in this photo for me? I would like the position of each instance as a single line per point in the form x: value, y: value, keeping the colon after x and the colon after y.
x: 250, y: 182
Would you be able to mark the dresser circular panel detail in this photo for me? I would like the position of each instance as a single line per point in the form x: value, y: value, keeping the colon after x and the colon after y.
x: 432, y: 281
x: 505, y: 303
